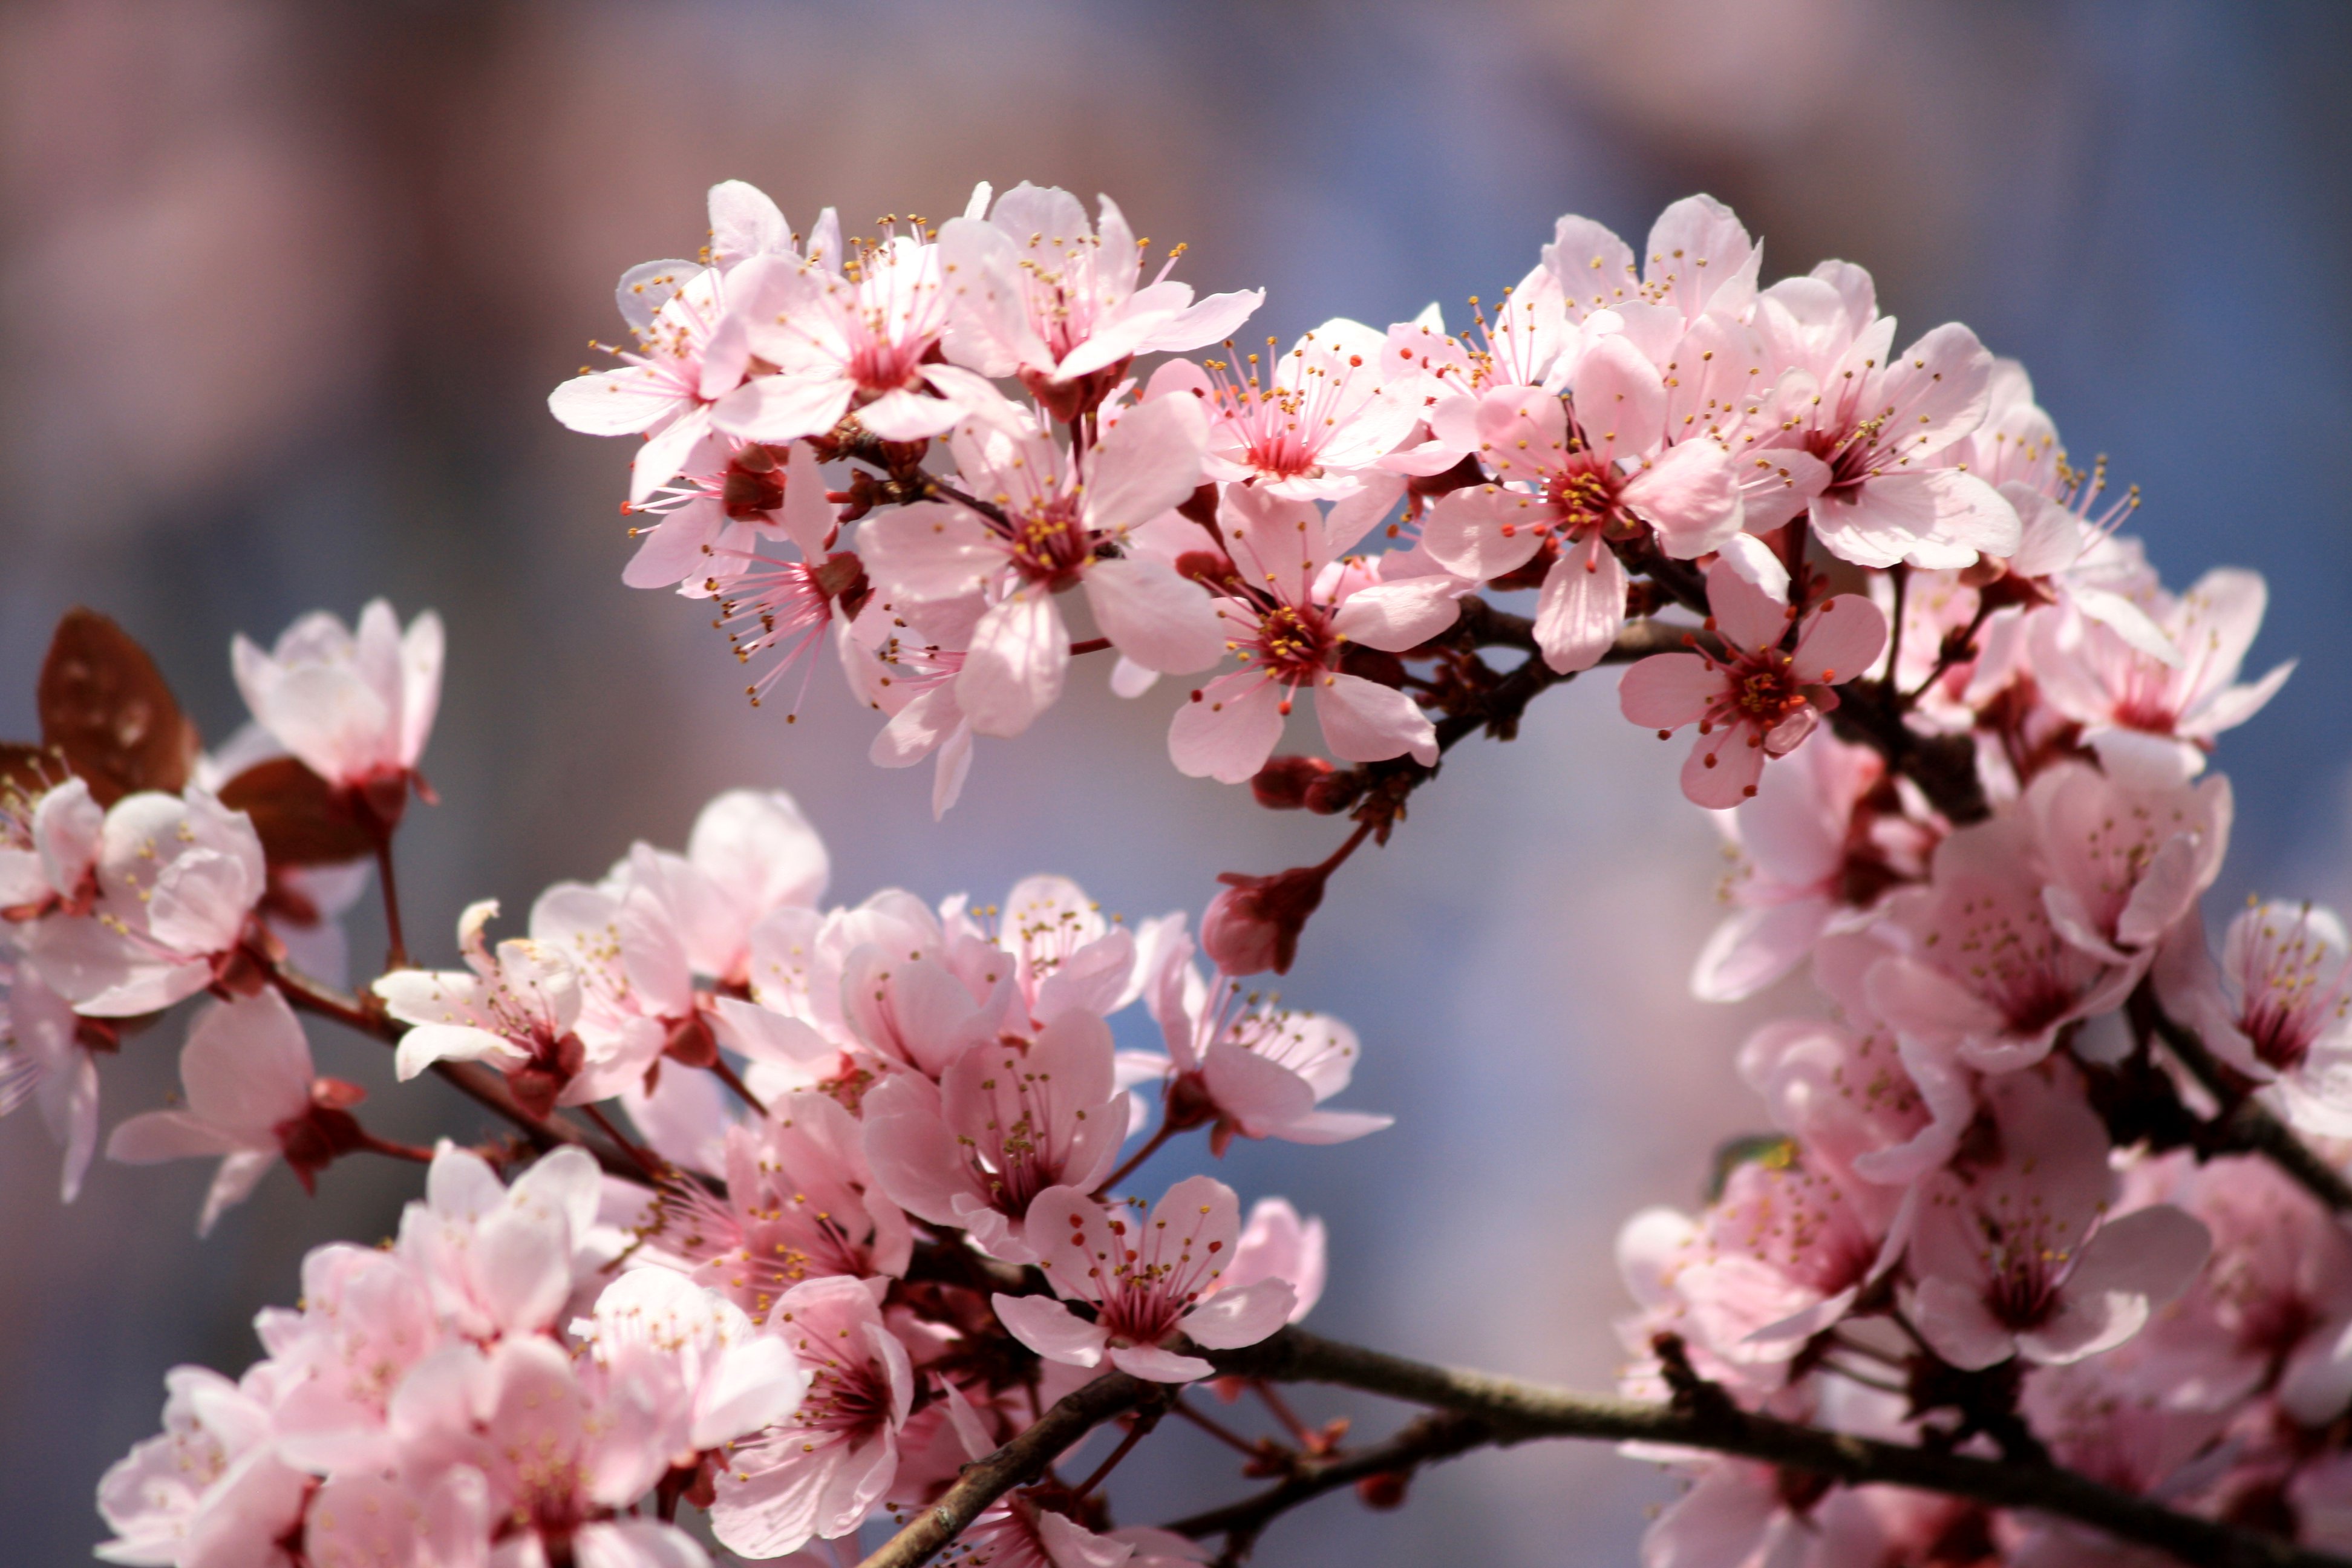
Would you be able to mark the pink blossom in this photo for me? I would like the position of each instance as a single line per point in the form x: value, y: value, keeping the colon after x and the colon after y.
x: 750, y: 853
x: 1884, y: 425
x: 499, y: 1258
x: 210, y: 1493
x: 1244, y: 1062
x: 361, y: 1521
x: 2153, y: 716
x: 1600, y: 473
x: 692, y: 349
x: 1758, y: 701
x: 2045, y: 915
x: 1699, y: 260
x: 819, y: 1473
x: 178, y: 876
x: 1008, y: 1120
x: 1016, y: 1532
x: 1313, y: 424
x: 515, y: 1009
x: 355, y: 708
x: 1291, y: 608
x: 49, y: 848
x: 914, y: 682
x: 801, y: 1203
x: 1277, y: 1244
x: 1150, y: 1280
x: 850, y: 336
x: 367, y: 1316
x: 1065, y: 954
x: 1820, y: 841
x: 556, y: 1453
x: 712, y: 521
x: 699, y: 1372
x: 2277, y: 1007
x: 1039, y: 293
x: 1056, y: 520
x: 1521, y: 345
x: 252, y: 1097
x: 2014, y: 1252
x: 45, y: 1055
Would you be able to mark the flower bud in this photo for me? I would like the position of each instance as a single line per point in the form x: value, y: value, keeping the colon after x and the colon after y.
x: 1253, y: 924
x: 1284, y: 782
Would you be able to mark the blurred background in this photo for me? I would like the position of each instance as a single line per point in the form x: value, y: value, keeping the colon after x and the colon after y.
x: 283, y: 288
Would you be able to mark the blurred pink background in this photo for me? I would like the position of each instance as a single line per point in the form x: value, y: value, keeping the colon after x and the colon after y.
x: 284, y: 287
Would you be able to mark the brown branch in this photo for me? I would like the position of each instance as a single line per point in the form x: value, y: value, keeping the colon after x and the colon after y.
x: 1422, y: 1442
x: 1020, y: 1461
x: 1517, y: 1412
x: 1871, y: 713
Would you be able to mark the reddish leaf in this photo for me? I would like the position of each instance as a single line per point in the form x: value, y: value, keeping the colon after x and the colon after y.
x: 302, y: 818
x: 104, y: 705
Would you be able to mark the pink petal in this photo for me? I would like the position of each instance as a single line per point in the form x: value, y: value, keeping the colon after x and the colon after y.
x: 1939, y: 519
x: 1055, y: 1333
x: 1668, y: 690
x: 1722, y: 769
x: 1398, y: 616
x: 1157, y: 1365
x: 1155, y: 618
x: 1691, y: 496
x: 1228, y: 730
x: 1241, y: 1316
x: 1620, y: 400
x: 1840, y: 639
x: 1364, y: 722
x: 1015, y: 669
x: 1464, y: 532
x: 1747, y: 617
x: 1582, y: 607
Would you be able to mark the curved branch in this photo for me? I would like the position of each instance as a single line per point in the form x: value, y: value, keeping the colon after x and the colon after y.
x: 2244, y: 1123
x: 1516, y: 1412
x: 1022, y: 1460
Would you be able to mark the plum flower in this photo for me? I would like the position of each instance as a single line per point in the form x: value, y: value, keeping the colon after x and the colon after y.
x: 1292, y: 608
x: 847, y: 335
x: 2152, y: 716
x: 515, y: 1009
x: 1149, y: 1279
x: 355, y: 708
x: 211, y: 1487
x: 1008, y: 1120
x: 817, y: 1474
x: 253, y: 1099
x: 1313, y: 425
x: 1040, y: 293
x: 2013, y: 1253
x: 2043, y: 916
x: 1054, y: 524
x: 690, y: 347
x: 49, y: 845
x: 1756, y: 700
x: 45, y: 1057
x: 1600, y: 473
x: 2279, y: 1009
x: 1819, y: 841
x: 1883, y: 423
x: 1242, y: 1063
x: 177, y: 878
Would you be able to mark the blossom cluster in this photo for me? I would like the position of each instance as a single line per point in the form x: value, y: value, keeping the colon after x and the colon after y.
x: 2049, y: 1183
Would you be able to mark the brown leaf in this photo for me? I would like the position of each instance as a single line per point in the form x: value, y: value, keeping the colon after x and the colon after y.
x: 104, y: 703
x: 302, y: 819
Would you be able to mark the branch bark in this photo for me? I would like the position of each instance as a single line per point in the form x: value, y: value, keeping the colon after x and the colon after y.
x: 1424, y: 1441
x: 1020, y: 1461
x: 1515, y: 1411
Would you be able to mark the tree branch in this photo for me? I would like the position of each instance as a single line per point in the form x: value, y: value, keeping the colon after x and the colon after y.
x: 1516, y: 1412
x: 1422, y: 1442
x: 1020, y: 1461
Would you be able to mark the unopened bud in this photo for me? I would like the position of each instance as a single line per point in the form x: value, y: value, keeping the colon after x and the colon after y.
x: 1283, y: 782
x: 1383, y: 1490
x: 1253, y: 925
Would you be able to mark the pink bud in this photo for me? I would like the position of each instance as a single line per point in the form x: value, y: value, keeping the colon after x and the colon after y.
x: 1253, y: 924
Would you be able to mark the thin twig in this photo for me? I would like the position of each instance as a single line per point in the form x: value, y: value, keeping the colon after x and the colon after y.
x: 2244, y: 1123
x: 1022, y: 1460
x: 1422, y: 1442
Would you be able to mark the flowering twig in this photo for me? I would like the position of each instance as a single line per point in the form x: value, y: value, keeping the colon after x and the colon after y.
x: 2243, y: 1122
